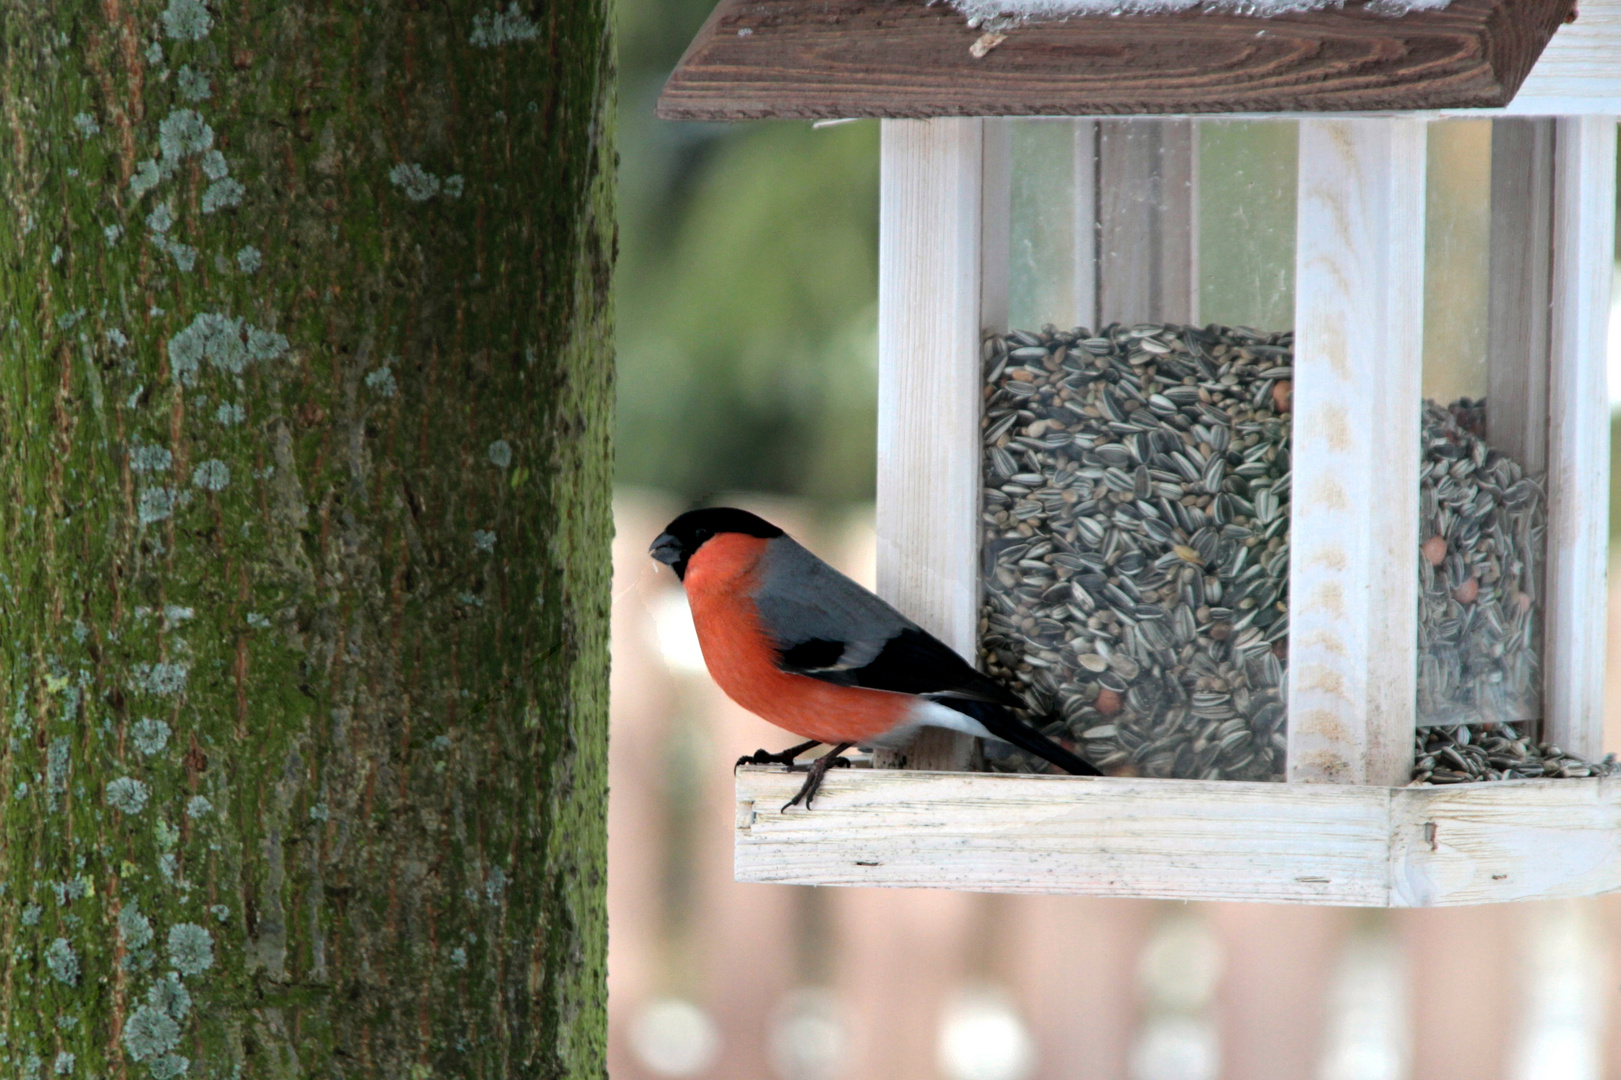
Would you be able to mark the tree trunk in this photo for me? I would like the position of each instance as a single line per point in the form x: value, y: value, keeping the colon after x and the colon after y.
x: 305, y: 392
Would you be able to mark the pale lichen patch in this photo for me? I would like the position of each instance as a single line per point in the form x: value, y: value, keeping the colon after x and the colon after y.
x: 219, y: 339
x: 150, y: 736
x: 133, y: 927
x: 493, y: 28
x: 145, y: 178
x: 145, y: 458
x: 248, y: 260
x: 198, y: 806
x: 181, y: 134
x: 86, y: 124
x: 56, y: 765
x: 170, y: 995
x: 382, y: 381
x: 127, y: 795
x: 187, y: 20
x: 184, y: 255
x: 169, y: 1067
x: 160, y: 679
x: 212, y: 475
x: 192, y: 83
x: 415, y: 182
x: 62, y: 961
x: 155, y: 504
x: 500, y: 453
x: 191, y: 948
x: 150, y: 1032
x: 221, y: 194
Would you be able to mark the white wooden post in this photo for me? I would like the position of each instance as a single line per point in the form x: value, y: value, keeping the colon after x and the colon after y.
x: 1579, y: 432
x: 929, y: 390
x: 1359, y: 291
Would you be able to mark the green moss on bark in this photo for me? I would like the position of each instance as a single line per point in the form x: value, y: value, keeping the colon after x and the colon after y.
x: 305, y: 390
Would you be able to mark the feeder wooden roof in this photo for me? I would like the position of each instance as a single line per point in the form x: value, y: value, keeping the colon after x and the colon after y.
x: 910, y: 58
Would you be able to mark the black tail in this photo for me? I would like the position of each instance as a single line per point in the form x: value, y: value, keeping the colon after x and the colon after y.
x: 1010, y: 729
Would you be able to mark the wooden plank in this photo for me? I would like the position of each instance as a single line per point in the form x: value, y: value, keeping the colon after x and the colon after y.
x: 1579, y: 433
x: 1519, y: 284
x: 1146, y: 229
x: 1186, y: 840
x: 929, y: 384
x: 1580, y: 70
x: 1354, y: 513
x: 1506, y: 840
x: 910, y: 58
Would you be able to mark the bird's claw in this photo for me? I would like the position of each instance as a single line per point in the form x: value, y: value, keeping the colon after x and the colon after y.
x: 782, y: 757
x: 815, y: 771
x: 764, y: 757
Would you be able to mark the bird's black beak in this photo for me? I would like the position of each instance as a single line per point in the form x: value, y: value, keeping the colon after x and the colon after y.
x: 666, y: 549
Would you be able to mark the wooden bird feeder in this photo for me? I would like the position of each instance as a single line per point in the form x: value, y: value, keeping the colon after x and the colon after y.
x: 1248, y: 449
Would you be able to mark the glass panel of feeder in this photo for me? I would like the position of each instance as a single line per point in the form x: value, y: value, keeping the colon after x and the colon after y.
x: 1246, y: 222
x: 1136, y: 463
x: 1482, y: 495
x: 1043, y: 260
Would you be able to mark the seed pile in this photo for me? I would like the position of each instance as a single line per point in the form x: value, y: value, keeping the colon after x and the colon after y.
x: 1135, y: 537
x: 1471, y: 752
x: 1482, y: 526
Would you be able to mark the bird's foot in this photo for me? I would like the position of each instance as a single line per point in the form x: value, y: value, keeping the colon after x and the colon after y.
x: 785, y: 757
x: 815, y: 771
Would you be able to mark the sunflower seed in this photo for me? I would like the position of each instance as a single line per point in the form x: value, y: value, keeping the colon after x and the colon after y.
x: 1152, y: 463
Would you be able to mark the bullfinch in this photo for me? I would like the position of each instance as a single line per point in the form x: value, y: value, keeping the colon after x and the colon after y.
x: 797, y: 643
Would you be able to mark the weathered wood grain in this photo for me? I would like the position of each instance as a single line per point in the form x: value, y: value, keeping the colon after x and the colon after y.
x: 1579, y: 433
x: 1359, y: 287
x: 929, y: 390
x: 1187, y: 840
x: 1363, y: 846
x: 908, y: 58
x: 1506, y: 840
x: 1580, y: 70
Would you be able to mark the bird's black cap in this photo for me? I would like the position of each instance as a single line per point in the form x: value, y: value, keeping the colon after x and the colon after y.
x: 687, y: 533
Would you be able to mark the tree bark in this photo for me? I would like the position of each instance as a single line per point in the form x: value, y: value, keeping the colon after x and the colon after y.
x: 305, y: 391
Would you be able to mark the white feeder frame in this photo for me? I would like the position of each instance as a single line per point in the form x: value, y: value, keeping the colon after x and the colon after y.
x: 1341, y: 830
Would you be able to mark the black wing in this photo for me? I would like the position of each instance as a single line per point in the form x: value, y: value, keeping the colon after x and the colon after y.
x: 828, y: 627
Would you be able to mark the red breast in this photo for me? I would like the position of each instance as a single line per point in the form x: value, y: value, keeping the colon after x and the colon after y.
x: 741, y: 655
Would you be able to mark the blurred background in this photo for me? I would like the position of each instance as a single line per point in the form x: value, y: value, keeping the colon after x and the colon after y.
x: 747, y: 293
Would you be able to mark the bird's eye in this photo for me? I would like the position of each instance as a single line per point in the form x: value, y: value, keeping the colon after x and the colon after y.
x: 701, y: 535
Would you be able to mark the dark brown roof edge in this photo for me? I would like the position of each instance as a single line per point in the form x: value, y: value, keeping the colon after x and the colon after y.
x: 907, y: 58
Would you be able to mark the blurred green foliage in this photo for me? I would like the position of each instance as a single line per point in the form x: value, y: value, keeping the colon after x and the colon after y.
x: 746, y: 290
